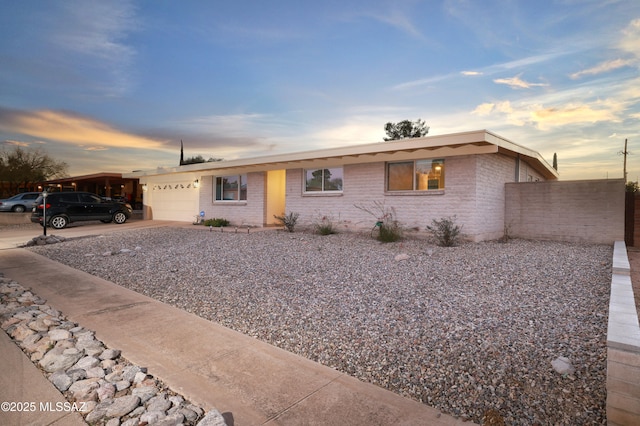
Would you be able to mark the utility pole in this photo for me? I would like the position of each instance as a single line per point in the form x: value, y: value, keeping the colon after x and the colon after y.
x: 625, y: 153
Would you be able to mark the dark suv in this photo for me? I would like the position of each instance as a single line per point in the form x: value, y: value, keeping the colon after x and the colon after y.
x: 65, y: 207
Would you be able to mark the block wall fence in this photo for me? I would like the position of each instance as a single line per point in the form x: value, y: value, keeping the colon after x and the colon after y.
x: 587, y: 211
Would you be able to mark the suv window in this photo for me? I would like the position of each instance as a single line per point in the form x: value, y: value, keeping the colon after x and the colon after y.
x: 67, y: 197
x: 89, y: 198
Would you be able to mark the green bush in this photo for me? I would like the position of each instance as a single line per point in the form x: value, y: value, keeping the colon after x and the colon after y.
x: 216, y: 222
x: 387, y: 227
x: 390, y: 231
x: 445, y: 230
x: 288, y: 221
x: 324, y: 226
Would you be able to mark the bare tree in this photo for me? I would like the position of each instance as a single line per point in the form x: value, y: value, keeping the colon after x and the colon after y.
x: 24, y: 168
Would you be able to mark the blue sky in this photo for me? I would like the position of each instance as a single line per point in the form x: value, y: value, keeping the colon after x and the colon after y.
x: 115, y: 85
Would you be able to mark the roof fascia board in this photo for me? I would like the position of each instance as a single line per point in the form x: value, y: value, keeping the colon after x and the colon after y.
x: 536, y: 160
x: 474, y: 137
x: 360, y: 159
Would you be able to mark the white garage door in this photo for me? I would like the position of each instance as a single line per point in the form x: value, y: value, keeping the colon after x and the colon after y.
x: 177, y: 200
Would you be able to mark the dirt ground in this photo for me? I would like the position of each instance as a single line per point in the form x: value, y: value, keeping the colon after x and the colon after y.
x: 634, y: 261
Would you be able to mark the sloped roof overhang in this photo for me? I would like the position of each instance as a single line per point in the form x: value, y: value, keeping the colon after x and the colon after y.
x: 456, y: 144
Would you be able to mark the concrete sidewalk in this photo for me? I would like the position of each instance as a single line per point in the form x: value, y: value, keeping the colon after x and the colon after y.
x: 252, y: 382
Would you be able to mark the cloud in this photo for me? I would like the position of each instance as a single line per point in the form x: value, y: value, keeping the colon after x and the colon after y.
x: 70, y: 128
x: 517, y: 83
x: 98, y: 31
x: 488, y: 70
x: 574, y: 114
x: 16, y: 143
x: 547, y: 117
x: 630, y: 41
x: 603, y: 67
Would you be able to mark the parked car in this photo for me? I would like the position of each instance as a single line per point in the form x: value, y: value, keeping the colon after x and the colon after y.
x: 63, y: 208
x: 19, y: 203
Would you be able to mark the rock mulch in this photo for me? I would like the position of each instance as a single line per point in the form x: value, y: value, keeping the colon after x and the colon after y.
x: 42, y: 240
x: 103, y: 385
x: 472, y: 330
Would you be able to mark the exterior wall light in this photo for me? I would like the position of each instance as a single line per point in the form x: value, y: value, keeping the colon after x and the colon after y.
x: 196, y: 183
x: 144, y: 186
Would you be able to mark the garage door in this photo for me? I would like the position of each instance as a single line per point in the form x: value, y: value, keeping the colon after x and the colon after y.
x: 176, y: 200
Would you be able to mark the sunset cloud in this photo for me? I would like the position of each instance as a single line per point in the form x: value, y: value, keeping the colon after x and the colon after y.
x: 71, y: 128
x: 471, y: 73
x: 517, y: 83
x: 602, y: 68
x: 574, y: 114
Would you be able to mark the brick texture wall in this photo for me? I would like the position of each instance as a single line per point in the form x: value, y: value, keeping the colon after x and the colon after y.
x: 241, y: 213
x: 474, y: 193
x: 590, y: 211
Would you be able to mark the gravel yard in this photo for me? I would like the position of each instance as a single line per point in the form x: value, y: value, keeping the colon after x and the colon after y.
x: 470, y: 330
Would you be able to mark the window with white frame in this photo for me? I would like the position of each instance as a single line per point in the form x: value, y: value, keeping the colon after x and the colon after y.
x: 415, y: 175
x: 323, y: 180
x: 231, y: 188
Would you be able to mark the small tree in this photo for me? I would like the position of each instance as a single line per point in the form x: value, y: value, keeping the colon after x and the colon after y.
x: 555, y: 161
x: 405, y: 129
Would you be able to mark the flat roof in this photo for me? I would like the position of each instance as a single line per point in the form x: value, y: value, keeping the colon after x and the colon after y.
x: 453, y: 144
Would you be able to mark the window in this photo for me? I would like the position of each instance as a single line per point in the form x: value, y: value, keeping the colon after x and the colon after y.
x: 231, y: 188
x: 419, y: 175
x: 323, y: 180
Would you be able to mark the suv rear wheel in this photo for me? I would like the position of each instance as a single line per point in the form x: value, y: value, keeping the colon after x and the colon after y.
x: 58, y: 222
x: 119, y: 217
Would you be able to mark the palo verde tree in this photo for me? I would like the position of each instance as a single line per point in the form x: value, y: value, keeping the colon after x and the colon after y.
x: 25, y: 167
x: 405, y: 129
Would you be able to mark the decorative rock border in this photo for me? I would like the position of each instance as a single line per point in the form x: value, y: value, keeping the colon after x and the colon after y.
x: 107, y: 389
x: 42, y: 240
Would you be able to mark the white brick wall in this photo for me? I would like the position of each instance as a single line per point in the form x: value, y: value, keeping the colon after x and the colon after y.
x: 241, y: 213
x: 474, y: 192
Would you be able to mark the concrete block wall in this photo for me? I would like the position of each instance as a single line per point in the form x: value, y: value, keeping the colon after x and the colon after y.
x: 241, y: 213
x: 589, y: 211
x: 623, y: 345
x: 365, y: 183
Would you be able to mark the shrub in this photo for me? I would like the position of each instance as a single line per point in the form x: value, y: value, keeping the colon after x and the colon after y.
x: 288, y: 221
x: 388, y: 227
x: 324, y: 226
x: 445, y: 230
x: 216, y: 222
x: 390, y: 231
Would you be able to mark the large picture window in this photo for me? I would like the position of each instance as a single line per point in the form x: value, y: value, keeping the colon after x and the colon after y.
x: 231, y: 188
x: 418, y: 175
x: 323, y: 180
